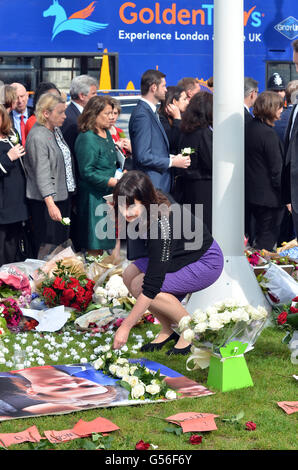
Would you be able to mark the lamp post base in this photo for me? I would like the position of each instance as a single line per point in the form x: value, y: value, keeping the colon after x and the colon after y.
x: 236, y: 281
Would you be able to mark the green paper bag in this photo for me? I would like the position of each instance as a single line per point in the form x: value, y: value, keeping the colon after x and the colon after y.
x: 230, y: 372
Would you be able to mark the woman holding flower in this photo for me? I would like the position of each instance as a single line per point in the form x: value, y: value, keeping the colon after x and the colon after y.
x: 170, y: 114
x: 50, y: 173
x: 175, y: 265
x: 196, y: 133
x: 13, y: 208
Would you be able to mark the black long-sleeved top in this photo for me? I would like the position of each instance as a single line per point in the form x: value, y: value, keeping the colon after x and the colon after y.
x: 13, y: 206
x: 263, y: 164
x: 201, y: 160
x: 173, y: 133
x: 167, y: 247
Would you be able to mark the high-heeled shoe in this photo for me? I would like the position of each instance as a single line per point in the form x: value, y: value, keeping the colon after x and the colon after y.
x: 157, y: 346
x: 182, y: 351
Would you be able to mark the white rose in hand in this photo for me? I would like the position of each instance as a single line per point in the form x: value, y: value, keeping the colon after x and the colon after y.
x: 65, y: 221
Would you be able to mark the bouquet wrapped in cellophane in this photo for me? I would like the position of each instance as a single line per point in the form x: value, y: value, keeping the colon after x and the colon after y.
x: 219, y: 325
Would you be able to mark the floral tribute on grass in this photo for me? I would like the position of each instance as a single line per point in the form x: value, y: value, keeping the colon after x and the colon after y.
x: 141, y: 382
x: 62, y: 288
x: 219, y: 338
x: 11, y: 313
x: 221, y: 323
x: 286, y: 318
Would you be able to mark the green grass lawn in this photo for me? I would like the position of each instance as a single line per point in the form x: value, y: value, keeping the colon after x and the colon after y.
x: 271, y: 370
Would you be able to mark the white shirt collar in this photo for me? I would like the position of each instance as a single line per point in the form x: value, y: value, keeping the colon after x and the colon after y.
x: 77, y: 105
x: 152, y: 105
x: 18, y: 115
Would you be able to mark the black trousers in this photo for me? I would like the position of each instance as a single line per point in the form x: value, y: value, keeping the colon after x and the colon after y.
x: 44, y: 229
x: 9, y: 243
x: 267, y: 226
x: 295, y: 222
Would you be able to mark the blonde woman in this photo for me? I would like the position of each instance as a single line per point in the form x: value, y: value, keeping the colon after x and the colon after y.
x: 50, y: 173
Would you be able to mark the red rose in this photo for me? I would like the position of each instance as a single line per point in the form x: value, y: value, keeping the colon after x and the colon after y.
x: 195, y: 439
x: 273, y: 298
x: 73, y: 283
x: 296, y: 298
x: 250, y: 426
x: 150, y: 318
x: 282, y: 318
x: 49, y: 295
x: 90, y: 284
x: 293, y: 309
x: 141, y: 445
x: 67, y: 295
x: 59, y: 283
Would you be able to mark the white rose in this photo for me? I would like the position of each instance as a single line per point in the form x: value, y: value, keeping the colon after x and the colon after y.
x: 215, y: 325
x: 121, y: 361
x: 225, y: 317
x: 132, y: 380
x: 171, y: 395
x: 122, y: 371
x: 113, y: 369
x: 109, y: 355
x: 98, y: 364
x: 184, y: 322
x: 211, y: 311
x: 66, y: 220
x: 132, y: 369
x: 258, y: 313
x: 200, y: 327
x: 188, y: 335
x: 153, y: 389
x: 138, y: 391
x: 199, y: 317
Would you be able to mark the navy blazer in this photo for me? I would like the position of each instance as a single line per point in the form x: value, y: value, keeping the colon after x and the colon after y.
x: 150, y: 146
x: 70, y: 129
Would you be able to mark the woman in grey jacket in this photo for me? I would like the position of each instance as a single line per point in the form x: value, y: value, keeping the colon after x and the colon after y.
x: 50, y: 173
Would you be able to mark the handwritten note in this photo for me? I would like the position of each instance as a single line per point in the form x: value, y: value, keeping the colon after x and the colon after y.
x: 29, y: 435
x: 289, y: 406
x: 194, y: 422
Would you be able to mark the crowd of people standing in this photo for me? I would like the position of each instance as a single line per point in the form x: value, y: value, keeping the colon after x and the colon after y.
x: 60, y: 161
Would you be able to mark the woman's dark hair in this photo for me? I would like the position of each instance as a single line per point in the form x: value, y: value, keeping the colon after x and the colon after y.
x: 266, y: 106
x: 199, y: 112
x: 42, y: 88
x: 137, y: 185
x: 87, y: 120
x: 173, y: 93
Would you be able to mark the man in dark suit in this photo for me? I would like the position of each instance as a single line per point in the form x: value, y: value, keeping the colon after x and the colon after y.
x: 250, y: 95
x: 82, y: 88
x: 150, y: 145
x: 290, y: 180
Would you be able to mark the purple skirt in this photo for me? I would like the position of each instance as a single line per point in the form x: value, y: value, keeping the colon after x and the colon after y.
x: 193, y: 277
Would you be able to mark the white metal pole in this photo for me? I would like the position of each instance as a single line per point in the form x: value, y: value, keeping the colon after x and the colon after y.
x: 237, y: 280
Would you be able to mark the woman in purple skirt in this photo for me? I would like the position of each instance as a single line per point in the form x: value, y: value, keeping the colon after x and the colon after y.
x: 181, y: 257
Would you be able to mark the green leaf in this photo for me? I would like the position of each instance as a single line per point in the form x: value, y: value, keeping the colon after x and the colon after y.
x: 89, y: 445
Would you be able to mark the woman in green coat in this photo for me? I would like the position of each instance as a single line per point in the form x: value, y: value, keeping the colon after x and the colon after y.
x: 96, y: 157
